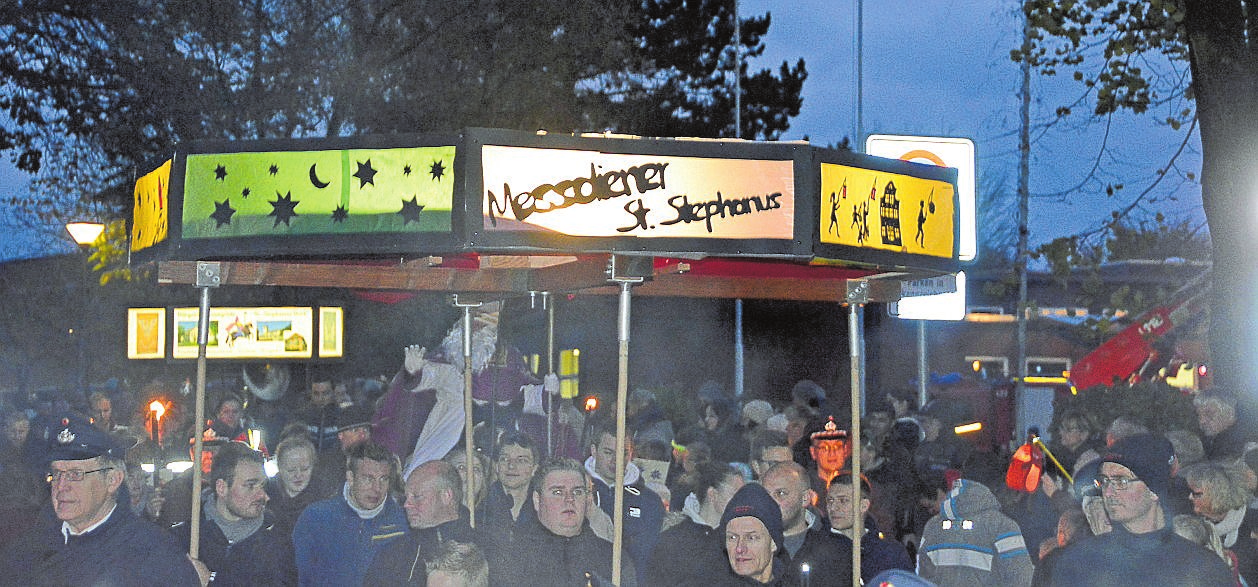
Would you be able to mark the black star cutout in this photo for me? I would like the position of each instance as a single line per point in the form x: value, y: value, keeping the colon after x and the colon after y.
x: 365, y: 174
x: 283, y: 209
x: 245, y: 193
x: 274, y: 169
x: 223, y: 213
x: 220, y: 173
x: 410, y: 210
x: 406, y: 170
x: 438, y: 170
x: 340, y: 214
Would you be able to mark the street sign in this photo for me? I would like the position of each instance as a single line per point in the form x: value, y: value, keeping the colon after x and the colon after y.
x: 929, y: 299
x: 929, y: 286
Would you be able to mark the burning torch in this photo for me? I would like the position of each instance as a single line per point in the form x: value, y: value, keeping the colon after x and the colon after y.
x: 157, y: 409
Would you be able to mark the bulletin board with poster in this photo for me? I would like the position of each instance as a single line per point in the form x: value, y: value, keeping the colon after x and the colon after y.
x: 238, y: 333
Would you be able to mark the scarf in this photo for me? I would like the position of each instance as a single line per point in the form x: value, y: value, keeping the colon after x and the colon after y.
x: 234, y: 531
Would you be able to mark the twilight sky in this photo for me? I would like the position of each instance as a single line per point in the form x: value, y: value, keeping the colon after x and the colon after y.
x: 942, y: 69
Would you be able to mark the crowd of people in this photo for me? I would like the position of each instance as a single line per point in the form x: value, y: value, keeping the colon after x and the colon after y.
x: 377, y: 488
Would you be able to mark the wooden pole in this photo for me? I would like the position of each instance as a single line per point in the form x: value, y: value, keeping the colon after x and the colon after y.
x: 207, y: 277
x: 622, y: 393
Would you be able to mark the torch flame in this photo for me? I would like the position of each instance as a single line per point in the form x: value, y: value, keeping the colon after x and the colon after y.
x: 157, y: 408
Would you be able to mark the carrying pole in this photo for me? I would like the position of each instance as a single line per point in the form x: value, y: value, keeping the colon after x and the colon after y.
x: 208, y: 275
x: 469, y: 487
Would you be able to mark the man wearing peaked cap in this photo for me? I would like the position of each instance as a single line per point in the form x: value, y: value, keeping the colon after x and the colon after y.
x: 87, y: 539
x: 1141, y: 548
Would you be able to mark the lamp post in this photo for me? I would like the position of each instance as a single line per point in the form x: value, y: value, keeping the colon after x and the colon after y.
x: 84, y: 235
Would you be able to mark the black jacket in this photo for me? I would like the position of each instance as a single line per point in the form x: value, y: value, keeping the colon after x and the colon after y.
x: 1119, y: 557
x: 878, y: 553
x: 686, y: 552
x: 125, y: 550
x: 264, y: 558
x: 828, y: 559
x: 402, y: 561
x: 538, y: 557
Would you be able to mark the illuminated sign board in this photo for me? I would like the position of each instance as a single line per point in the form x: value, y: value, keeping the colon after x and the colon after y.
x: 146, y: 333
x: 584, y: 193
x: 247, y: 333
x: 932, y: 299
x: 943, y: 152
x: 872, y: 209
x: 331, y: 332
x: 343, y: 191
x: 151, y: 216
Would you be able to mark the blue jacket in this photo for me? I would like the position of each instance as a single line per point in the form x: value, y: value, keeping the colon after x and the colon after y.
x: 125, y: 550
x: 334, y: 546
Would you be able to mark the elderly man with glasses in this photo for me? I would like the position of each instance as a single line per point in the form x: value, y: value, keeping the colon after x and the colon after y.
x: 89, y: 539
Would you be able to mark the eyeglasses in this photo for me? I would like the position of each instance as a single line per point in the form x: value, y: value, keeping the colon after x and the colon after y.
x: 575, y: 493
x: 72, y: 475
x: 1119, y: 483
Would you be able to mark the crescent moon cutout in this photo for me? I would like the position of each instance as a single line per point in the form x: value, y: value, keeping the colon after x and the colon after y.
x: 314, y: 178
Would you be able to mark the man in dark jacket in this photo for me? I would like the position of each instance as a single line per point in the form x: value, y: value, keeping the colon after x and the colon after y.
x: 239, y: 542
x: 336, y: 539
x: 643, y: 509
x: 690, y: 547
x: 752, y: 527
x: 559, y: 549
x: 878, y: 553
x: 1141, y: 548
x: 806, y: 541
x: 87, y: 538
x: 434, y: 494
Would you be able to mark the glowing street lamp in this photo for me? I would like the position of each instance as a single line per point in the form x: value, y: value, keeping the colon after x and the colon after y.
x: 85, y: 233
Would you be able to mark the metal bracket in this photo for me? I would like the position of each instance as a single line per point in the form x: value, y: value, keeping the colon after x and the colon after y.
x: 454, y: 300
x: 629, y: 269
x: 857, y: 291
x: 209, y: 273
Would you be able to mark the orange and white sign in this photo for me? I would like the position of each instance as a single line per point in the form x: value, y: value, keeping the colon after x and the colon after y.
x: 595, y: 194
x: 944, y: 152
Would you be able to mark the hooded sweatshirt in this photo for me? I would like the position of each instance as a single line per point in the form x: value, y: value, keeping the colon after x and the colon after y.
x: 971, y: 543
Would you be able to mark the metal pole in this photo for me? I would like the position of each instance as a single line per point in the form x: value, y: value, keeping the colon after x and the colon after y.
x: 622, y: 393
x: 208, y: 275
x: 856, y: 336
x: 739, y: 348
x: 550, y: 368
x: 922, y: 370
x: 468, y: 449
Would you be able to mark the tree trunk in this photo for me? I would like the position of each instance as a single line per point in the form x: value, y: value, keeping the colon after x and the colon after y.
x: 1224, y: 83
